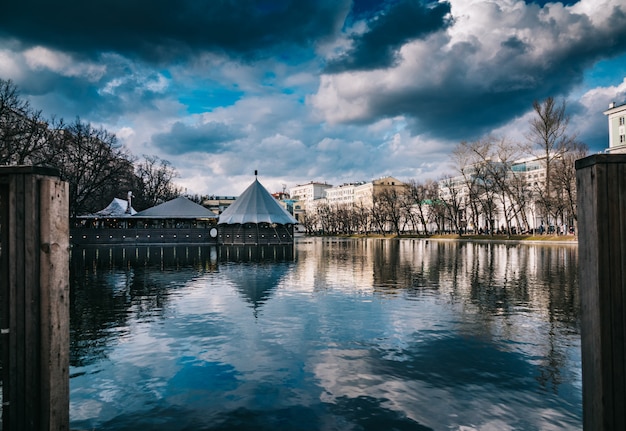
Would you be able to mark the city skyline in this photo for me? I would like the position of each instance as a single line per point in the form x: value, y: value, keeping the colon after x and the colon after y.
x: 328, y: 91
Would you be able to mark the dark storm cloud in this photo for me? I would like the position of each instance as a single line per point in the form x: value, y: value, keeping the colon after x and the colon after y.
x: 388, y: 31
x: 463, y: 90
x: 79, y: 95
x: 160, y: 30
x: 211, y: 137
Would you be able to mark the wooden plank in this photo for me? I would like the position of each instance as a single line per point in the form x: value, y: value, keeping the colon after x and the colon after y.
x: 601, y: 181
x: 32, y: 350
x: 608, y: 282
x: 6, y: 298
x: 54, y: 279
x: 32, y: 322
x: 16, y: 274
x: 619, y: 283
x: 590, y: 315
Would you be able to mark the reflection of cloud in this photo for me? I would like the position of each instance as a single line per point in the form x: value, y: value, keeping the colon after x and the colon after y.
x: 439, y: 376
x: 425, y: 352
x: 86, y: 409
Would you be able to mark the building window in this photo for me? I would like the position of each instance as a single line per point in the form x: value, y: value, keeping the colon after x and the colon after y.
x: 621, y: 121
x: 622, y: 139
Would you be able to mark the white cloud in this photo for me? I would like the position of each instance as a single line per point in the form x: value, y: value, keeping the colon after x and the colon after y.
x: 9, y: 65
x: 597, y: 10
x: 44, y: 58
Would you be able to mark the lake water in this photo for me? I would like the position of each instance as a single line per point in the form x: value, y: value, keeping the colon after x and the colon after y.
x: 332, y: 334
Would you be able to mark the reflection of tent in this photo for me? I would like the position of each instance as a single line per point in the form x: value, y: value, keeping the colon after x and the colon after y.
x: 117, y: 208
x: 256, y: 281
x: 178, y: 208
x: 256, y: 217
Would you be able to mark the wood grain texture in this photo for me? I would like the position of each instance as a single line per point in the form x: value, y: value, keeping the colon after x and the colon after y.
x: 601, y: 182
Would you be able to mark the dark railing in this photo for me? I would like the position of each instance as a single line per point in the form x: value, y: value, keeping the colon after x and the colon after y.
x: 138, y: 236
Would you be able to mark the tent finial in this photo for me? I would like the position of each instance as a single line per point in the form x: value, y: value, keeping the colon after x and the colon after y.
x: 255, y: 173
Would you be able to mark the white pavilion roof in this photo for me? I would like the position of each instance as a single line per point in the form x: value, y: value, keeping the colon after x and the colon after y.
x: 117, y: 208
x: 180, y: 207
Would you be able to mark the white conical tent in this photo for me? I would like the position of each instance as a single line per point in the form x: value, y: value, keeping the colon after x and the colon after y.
x: 256, y: 205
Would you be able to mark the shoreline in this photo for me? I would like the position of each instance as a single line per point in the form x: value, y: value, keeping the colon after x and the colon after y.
x: 516, y: 239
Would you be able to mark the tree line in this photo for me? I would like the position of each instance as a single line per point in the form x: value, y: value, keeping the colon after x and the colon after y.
x: 485, y: 191
x: 96, y: 166
x: 497, y: 186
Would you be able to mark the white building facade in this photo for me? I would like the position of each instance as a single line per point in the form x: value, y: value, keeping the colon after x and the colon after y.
x: 617, y: 128
x: 309, y: 192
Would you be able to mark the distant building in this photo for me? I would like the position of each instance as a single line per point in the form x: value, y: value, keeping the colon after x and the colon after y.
x: 309, y: 192
x: 365, y: 192
x: 218, y: 204
x: 617, y: 128
x: 342, y: 194
x: 304, y: 197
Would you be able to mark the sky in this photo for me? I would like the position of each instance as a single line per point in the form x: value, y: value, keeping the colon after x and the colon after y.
x: 330, y: 91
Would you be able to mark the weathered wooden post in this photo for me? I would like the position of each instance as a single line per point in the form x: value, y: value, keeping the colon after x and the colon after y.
x: 34, y: 281
x: 601, y: 182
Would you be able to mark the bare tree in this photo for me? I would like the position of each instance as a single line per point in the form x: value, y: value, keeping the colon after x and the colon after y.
x: 325, y: 218
x: 521, y: 196
x: 362, y: 217
x: 451, y: 196
x: 92, y: 162
x: 308, y: 220
x: 550, y: 139
x: 469, y: 161
x: 23, y: 132
x: 156, y: 178
x: 498, y: 162
x: 409, y: 205
x: 378, y: 213
x: 390, y: 200
x: 564, y: 180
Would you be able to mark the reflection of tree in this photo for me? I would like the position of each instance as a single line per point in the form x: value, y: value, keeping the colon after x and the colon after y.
x: 95, y: 306
x: 500, y: 282
x: 563, y: 306
x: 109, y: 287
x: 102, y: 302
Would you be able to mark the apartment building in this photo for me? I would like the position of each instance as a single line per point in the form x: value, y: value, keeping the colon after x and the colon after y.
x: 342, y: 194
x: 306, y: 193
x: 617, y: 128
x: 304, y: 197
x: 364, y: 193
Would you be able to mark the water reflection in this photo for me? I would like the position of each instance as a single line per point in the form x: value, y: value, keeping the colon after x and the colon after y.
x: 332, y: 334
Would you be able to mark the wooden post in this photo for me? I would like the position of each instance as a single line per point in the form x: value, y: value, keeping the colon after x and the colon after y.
x: 34, y: 281
x: 601, y: 183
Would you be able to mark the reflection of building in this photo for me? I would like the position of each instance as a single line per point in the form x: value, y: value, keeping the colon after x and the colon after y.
x: 617, y: 128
